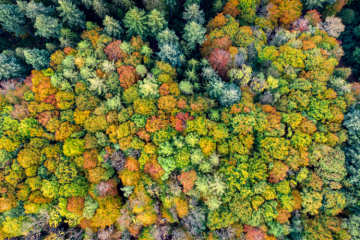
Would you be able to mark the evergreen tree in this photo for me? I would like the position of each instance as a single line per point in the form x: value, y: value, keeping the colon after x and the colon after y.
x: 39, y: 59
x: 47, y: 26
x: 12, y: 18
x: 70, y: 14
x: 194, y: 33
x: 67, y: 37
x: 193, y: 13
x: 167, y: 36
x: 112, y: 27
x: 33, y: 9
x: 100, y: 8
x: 156, y: 22
x: 170, y: 53
x: 9, y: 67
x: 135, y: 21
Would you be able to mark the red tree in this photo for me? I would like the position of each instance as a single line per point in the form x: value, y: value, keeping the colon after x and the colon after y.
x: 218, y: 59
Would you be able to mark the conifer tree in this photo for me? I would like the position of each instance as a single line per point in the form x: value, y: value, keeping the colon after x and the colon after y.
x: 193, y: 13
x: 70, y: 14
x: 156, y: 22
x: 112, y: 27
x: 39, y: 59
x: 12, y: 18
x: 9, y: 67
x: 47, y: 26
x: 194, y: 33
x: 33, y: 9
x: 100, y: 8
x: 135, y: 21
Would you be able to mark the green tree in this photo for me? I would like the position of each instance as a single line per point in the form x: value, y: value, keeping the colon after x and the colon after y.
x: 33, y: 9
x: 39, y: 59
x: 100, y: 8
x: 156, y: 22
x: 135, y: 21
x: 70, y: 14
x: 9, y: 67
x: 193, y: 13
x: 112, y: 27
x: 11, y: 18
x: 194, y: 33
x: 47, y: 26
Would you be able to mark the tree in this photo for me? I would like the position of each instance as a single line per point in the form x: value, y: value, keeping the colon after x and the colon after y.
x: 100, y: 8
x: 39, y: 59
x: 70, y: 14
x: 135, y: 21
x: 193, y: 13
x: 33, y: 9
x: 333, y: 26
x: 112, y: 27
x: 156, y: 22
x: 167, y: 36
x: 170, y: 53
x: 47, y: 26
x: 194, y: 33
x: 12, y: 18
x: 9, y: 67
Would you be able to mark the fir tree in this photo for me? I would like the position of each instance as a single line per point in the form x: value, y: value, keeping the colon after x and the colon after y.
x: 112, y: 27
x: 135, y: 21
x: 47, y: 26
x: 194, y: 33
x: 39, y: 59
x: 167, y: 36
x: 70, y: 14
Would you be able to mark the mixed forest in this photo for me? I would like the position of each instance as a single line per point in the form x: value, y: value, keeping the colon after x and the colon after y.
x: 179, y: 119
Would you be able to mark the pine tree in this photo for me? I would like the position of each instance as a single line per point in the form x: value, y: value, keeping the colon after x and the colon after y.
x: 135, y: 21
x: 193, y: 13
x: 156, y: 22
x: 70, y: 14
x: 12, y: 18
x: 47, y: 26
x: 33, y: 9
x: 112, y: 27
x: 194, y: 33
x: 39, y: 59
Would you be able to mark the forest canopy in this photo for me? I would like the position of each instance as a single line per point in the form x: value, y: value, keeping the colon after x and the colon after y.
x: 179, y: 120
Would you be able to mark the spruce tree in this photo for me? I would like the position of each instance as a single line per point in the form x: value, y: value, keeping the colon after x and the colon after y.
x: 47, y: 26
x: 112, y: 27
x: 70, y: 14
x: 39, y: 59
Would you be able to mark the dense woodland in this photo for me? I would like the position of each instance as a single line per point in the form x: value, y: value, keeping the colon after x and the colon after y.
x: 180, y: 119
